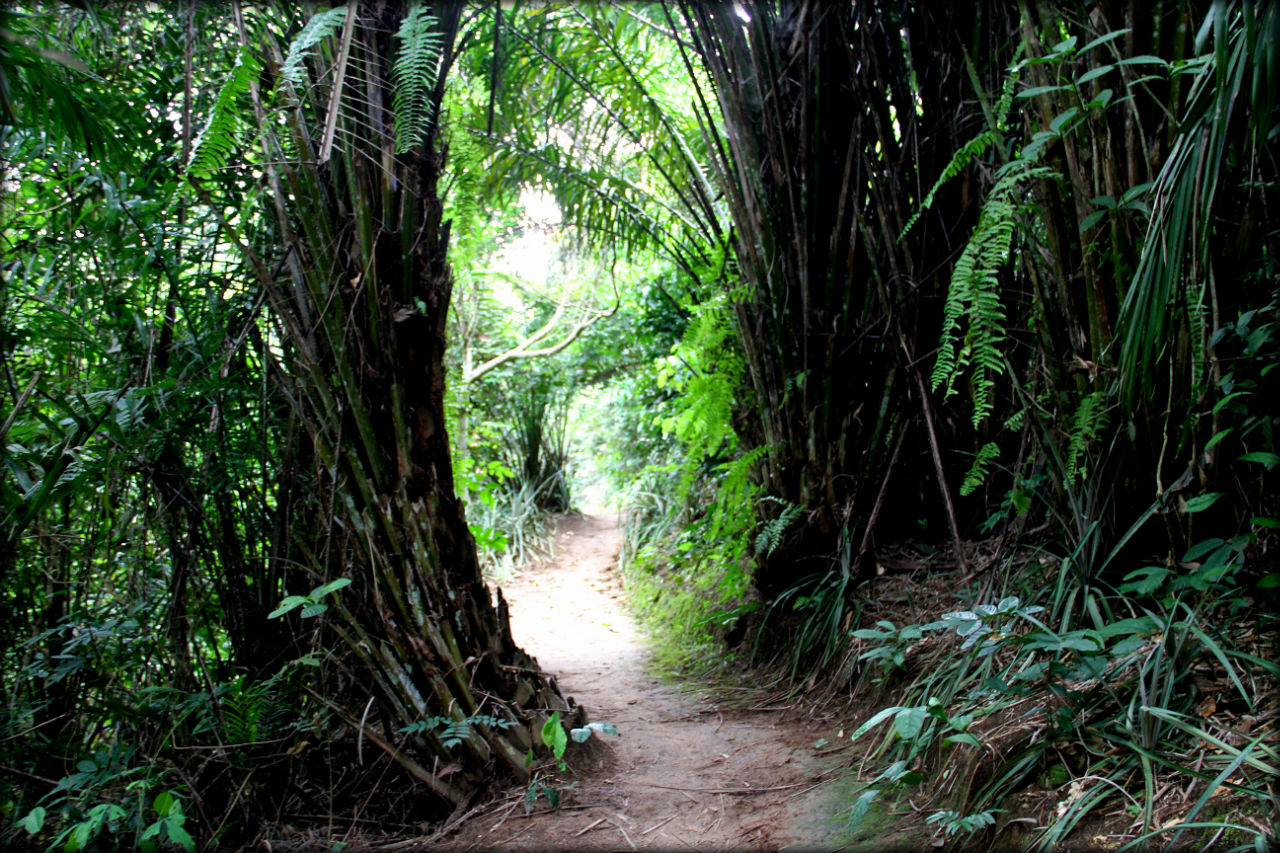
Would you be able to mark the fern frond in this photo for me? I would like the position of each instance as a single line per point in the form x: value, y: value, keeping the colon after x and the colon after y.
x: 770, y: 535
x: 321, y: 26
x: 978, y: 470
x: 970, y: 151
x: 1090, y: 420
x: 974, y: 297
x: 414, y: 77
x: 216, y: 142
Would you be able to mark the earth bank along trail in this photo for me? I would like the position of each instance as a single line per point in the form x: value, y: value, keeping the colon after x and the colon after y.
x: 684, y: 772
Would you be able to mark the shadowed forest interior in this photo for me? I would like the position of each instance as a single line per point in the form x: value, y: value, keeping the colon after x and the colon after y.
x: 926, y: 354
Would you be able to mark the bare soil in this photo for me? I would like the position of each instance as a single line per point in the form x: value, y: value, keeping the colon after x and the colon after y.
x: 686, y: 772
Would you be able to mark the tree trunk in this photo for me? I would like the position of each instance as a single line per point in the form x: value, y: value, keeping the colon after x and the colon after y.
x: 415, y: 636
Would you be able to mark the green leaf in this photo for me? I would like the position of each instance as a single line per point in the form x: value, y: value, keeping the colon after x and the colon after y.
x: 180, y: 835
x: 1261, y: 456
x: 553, y: 735
x: 331, y: 586
x: 1103, y: 39
x: 1094, y: 73
x: 1270, y: 581
x: 1091, y: 220
x: 1218, y: 436
x: 1265, y: 521
x: 1039, y: 90
x: 909, y: 721
x: 34, y: 821
x: 1061, y: 119
x: 1102, y: 100
x: 1145, y: 59
x: 163, y: 803
x: 878, y: 718
x: 961, y: 737
x: 1199, y: 549
x: 861, y: 806
x: 1064, y: 46
x: 290, y: 602
x: 314, y: 609
x: 1202, y: 502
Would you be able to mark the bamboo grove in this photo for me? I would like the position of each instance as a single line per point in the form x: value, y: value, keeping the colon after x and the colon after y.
x: 995, y: 283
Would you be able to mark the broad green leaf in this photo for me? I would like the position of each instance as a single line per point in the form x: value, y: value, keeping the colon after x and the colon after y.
x: 553, y: 796
x: 1145, y: 59
x: 1094, y: 73
x: 1202, y: 502
x: 314, y: 609
x: 163, y: 803
x: 290, y: 602
x: 180, y: 835
x: 961, y: 737
x: 1218, y: 436
x: 909, y: 721
x: 34, y: 821
x: 1261, y: 456
x: 1199, y: 549
x: 1039, y: 90
x: 553, y: 735
x: 1265, y: 521
x: 1103, y: 39
x: 861, y: 806
x: 1066, y: 45
x: 1103, y: 99
x: 331, y: 586
x: 1091, y: 220
x: 1270, y: 581
x: 876, y: 719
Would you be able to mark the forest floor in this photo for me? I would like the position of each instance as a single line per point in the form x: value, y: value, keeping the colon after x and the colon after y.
x: 687, y: 771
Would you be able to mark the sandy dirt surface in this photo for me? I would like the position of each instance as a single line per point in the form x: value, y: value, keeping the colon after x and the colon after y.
x: 685, y: 772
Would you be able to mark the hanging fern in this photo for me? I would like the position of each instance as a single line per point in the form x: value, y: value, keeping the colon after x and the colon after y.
x: 414, y: 77
x: 1090, y: 421
x: 219, y: 138
x: 971, y: 150
x: 978, y: 471
x: 321, y: 26
x: 968, y: 152
x: 974, y: 295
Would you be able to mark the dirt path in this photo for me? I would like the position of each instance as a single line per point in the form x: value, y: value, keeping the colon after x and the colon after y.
x: 684, y: 773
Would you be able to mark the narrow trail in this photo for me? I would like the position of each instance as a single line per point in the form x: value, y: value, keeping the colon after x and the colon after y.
x: 684, y: 773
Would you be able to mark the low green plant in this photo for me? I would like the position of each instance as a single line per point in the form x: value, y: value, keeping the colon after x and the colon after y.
x: 106, y: 803
x: 953, y: 823
x: 553, y: 737
x: 310, y: 603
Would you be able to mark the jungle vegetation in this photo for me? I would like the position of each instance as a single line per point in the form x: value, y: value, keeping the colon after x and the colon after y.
x: 847, y: 305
